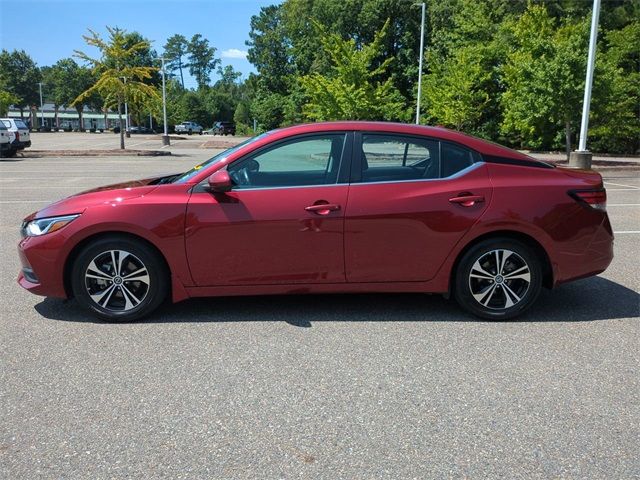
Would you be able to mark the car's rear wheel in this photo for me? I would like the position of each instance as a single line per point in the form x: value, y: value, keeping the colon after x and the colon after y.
x: 119, y: 279
x: 498, y: 279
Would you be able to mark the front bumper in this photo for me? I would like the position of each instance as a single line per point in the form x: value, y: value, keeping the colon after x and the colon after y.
x: 42, y: 265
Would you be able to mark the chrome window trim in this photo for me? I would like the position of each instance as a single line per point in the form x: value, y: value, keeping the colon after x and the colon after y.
x: 290, y: 186
x: 459, y: 173
x: 454, y: 176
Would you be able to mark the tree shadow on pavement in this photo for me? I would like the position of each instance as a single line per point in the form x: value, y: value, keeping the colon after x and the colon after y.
x: 586, y: 300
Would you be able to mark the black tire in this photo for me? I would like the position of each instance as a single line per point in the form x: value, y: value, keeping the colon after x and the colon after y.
x: 200, y: 132
x: 120, y: 300
x: 484, y: 289
x: 190, y: 132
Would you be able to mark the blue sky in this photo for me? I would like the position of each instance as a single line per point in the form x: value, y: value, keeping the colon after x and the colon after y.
x: 53, y: 29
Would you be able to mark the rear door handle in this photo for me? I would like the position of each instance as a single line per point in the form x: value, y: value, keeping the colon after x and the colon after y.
x: 322, y: 208
x: 467, y: 200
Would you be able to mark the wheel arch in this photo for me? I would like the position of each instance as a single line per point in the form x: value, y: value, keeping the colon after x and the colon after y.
x: 75, y: 251
x: 547, y: 269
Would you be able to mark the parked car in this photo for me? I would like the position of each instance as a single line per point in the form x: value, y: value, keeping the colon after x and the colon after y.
x: 189, y: 128
x: 7, y: 149
x: 224, y: 128
x: 141, y: 129
x: 322, y: 208
x: 20, y: 130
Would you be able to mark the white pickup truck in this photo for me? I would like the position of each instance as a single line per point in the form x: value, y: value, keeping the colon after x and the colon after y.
x: 22, y: 138
x: 189, y: 128
x: 6, y: 141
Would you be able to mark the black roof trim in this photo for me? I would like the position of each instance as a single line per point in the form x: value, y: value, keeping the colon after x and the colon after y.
x: 514, y: 161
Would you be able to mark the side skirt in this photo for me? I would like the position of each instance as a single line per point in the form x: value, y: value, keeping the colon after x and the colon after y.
x: 300, y: 289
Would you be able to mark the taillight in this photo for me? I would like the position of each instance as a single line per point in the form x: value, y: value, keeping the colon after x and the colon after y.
x: 596, y: 198
x: 17, y: 136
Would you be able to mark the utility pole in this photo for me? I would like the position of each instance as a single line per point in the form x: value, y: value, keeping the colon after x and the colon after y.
x: 420, y: 65
x: 41, y: 107
x: 165, y: 137
x: 581, y: 158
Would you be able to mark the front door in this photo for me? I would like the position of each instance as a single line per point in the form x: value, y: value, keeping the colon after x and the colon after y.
x: 283, y: 221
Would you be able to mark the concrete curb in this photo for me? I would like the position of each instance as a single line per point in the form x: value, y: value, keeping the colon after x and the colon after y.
x: 93, y: 153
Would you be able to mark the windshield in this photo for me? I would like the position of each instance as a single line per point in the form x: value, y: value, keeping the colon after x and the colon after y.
x: 219, y: 157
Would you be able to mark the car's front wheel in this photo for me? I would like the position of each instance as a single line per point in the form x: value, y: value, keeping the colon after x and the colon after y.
x: 119, y: 279
x: 498, y: 279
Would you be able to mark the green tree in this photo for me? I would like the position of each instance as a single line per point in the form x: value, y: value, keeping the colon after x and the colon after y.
x: 202, y: 60
x: 241, y: 117
x: 64, y: 82
x: 544, y: 78
x: 269, y: 51
x: 174, y: 50
x: 453, y: 93
x: 6, y: 100
x: 118, y: 78
x: 350, y: 91
x: 615, y: 119
x: 20, y: 76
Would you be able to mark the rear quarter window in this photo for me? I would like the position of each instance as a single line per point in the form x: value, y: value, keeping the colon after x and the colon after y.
x: 21, y: 124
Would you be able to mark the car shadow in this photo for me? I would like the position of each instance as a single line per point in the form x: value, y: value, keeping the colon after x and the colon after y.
x: 582, y: 301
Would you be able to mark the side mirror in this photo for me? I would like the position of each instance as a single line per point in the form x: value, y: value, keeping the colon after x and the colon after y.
x: 220, y: 182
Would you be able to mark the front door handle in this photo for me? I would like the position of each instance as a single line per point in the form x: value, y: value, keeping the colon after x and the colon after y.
x: 467, y: 200
x: 322, y: 208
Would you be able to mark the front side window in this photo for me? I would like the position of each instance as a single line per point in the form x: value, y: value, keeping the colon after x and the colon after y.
x: 394, y: 157
x: 313, y: 160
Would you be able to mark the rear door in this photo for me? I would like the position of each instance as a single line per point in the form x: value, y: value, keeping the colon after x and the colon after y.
x: 282, y: 223
x: 406, y: 208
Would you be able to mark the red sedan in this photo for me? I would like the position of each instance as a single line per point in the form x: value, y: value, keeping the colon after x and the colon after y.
x: 323, y: 208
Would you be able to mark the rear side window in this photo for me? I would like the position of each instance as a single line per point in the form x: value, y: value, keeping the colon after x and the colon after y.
x: 454, y: 159
x: 388, y: 158
x: 394, y: 157
x: 7, y: 123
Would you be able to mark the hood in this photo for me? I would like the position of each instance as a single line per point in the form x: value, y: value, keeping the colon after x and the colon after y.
x: 117, y: 192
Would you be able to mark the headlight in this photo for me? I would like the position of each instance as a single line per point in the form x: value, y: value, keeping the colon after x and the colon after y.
x: 41, y: 226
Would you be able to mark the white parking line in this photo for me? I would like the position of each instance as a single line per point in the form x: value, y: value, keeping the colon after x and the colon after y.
x: 626, y: 231
x: 633, y: 187
x: 622, y: 189
x: 623, y: 204
x: 26, y: 201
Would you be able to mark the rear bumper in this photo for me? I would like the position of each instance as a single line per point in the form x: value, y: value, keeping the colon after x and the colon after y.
x: 18, y: 145
x: 594, y: 259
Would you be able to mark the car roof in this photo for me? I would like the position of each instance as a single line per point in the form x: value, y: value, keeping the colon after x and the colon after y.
x: 481, y: 146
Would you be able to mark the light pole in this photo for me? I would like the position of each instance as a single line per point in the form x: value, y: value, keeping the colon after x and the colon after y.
x: 41, y: 107
x: 581, y: 158
x: 165, y: 137
x: 420, y: 65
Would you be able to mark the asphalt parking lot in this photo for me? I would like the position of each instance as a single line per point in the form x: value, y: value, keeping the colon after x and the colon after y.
x: 344, y: 386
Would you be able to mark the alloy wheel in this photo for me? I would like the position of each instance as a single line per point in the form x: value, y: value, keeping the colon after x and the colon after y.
x: 117, y: 280
x: 499, y: 279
